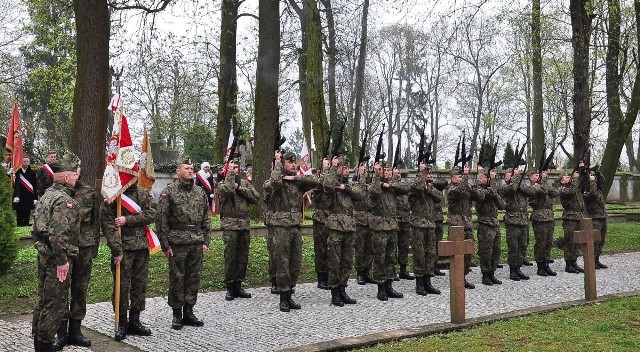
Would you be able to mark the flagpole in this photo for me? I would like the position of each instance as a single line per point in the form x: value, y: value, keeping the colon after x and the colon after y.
x: 117, y: 278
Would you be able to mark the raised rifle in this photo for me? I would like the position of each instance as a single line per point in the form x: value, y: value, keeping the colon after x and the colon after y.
x: 481, y: 153
x: 549, y: 160
x: 518, y: 160
x: 396, y: 156
x: 278, y: 140
x: 581, y: 158
x: 456, y: 159
x: 543, y: 158
x: 421, y: 147
x: 465, y: 158
x: 379, y: 153
x: 427, y: 155
x: 337, y: 147
x: 362, y: 158
x: 493, y: 164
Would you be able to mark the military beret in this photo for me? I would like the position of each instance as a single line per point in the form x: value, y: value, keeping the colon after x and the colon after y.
x: 69, y: 162
x: 185, y: 160
x: 383, y: 163
x: 290, y: 156
x: 457, y: 171
x: 508, y: 171
x: 533, y: 172
x: 344, y: 161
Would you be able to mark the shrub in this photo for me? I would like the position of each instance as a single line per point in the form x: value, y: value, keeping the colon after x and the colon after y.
x: 8, y: 237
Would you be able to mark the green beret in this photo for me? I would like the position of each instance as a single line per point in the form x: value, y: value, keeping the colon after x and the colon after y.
x: 185, y: 160
x: 69, y: 162
x: 508, y: 171
x: 457, y: 171
x: 290, y: 156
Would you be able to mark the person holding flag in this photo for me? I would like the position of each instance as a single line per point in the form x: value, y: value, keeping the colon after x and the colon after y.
x: 44, y: 176
x: 24, y: 192
x: 204, y: 179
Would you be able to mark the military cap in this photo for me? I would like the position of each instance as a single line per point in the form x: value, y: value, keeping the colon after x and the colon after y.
x: 291, y: 156
x: 508, y: 171
x: 186, y: 160
x: 383, y: 163
x: 533, y: 172
x: 457, y: 170
x: 68, y: 162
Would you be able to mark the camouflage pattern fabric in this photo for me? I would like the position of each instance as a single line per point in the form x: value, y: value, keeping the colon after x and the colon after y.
x: 424, y: 251
x: 384, y: 254
x: 363, y: 248
x: 340, y: 254
x: 488, y: 231
x: 573, y: 206
x: 516, y: 195
x: 184, y: 275
x: 134, y: 278
x: 43, y: 181
x: 287, y: 254
x: 459, y: 198
x: 236, y: 254
x: 320, y: 237
x: 595, y: 203
x: 543, y: 221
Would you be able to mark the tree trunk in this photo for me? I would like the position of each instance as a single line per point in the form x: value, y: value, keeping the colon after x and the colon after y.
x: 227, y: 81
x: 302, y: 72
x: 267, y: 76
x: 537, y: 127
x: 619, y: 127
x: 331, y: 67
x: 581, y: 19
x: 630, y: 153
x: 91, y: 94
x: 362, y: 56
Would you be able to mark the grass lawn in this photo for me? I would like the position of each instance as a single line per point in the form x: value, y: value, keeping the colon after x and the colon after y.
x: 571, y: 329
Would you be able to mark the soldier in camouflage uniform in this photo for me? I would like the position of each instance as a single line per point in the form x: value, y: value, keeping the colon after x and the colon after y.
x: 362, y: 238
x: 404, y: 230
x: 267, y: 214
x: 459, y: 198
x: 383, y: 222
x: 320, y: 232
x: 130, y: 249
x: 488, y: 227
x: 235, y: 196
x: 542, y: 221
x: 516, y: 194
x: 341, y: 227
x: 595, y: 201
x: 56, y: 231
x: 284, y: 190
x: 571, y: 197
x: 43, y: 178
x: 183, y: 226
x: 438, y: 218
x: 422, y: 198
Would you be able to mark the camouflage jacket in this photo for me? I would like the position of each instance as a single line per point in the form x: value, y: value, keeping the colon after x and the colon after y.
x: 183, y: 215
x: 340, y: 201
x: 440, y: 185
x: 459, y: 198
x: 572, y: 200
x: 133, y: 235
x: 487, y: 208
x: 383, y: 203
x: 284, y: 197
x: 402, y: 211
x: 58, y: 215
x: 542, y: 203
x: 320, y: 202
x: 235, y: 196
x: 43, y: 181
x: 89, y: 202
x: 517, y: 199
x: 422, y: 198
x: 595, y: 199
x: 361, y: 207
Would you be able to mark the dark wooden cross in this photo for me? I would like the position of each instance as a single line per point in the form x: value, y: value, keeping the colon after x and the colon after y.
x: 587, y: 236
x: 455, y: 248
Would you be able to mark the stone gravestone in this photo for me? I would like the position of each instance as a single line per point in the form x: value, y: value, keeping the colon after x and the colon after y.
x: 587, y: 236
x: 455, y: 248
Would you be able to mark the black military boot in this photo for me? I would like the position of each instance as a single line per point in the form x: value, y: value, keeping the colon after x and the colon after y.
x: 500, y: 266
x: 494, y: 279
x: 239, y: 292
x: 176, y: 323
x: 420, y: 286
x: 395, y: 274
x: 486, y: 280
x: 230, y: 294
x: 550, y: 261
x: 599, y: 265
x: 382, y: 292
x: 367, y: 278
x: 521, y: 274
x: 428, y: 287
x: 526, y: 263
x: 323, y: 281
x: 61, y: 337
x: 121, y: 332
x: 438, y: 272
x: 360, y: 278
x: 336, y: 300
x: 188, y: 318
x: 548, y: 269
x: 75, y: 336
x: 135, y: 327
x: 577, y: 267
x: 284, y: 302
x: 542, y: 271
x: 570, y: 268
x: 345, y: 297
x: 404, y: 274
x: 468, y: 285
x: 513, y: 275
x: 391, y: 293
x: 292, y: 304
x: 40, y: 346
x: 274, y: 286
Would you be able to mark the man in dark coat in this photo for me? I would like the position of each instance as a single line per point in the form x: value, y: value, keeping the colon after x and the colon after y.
x: 24, y: 192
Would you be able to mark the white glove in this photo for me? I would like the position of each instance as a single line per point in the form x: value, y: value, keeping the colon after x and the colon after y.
x: 10, y: 170
x: 211, y: 196
x: 35, y: 201
x: 16, y: 199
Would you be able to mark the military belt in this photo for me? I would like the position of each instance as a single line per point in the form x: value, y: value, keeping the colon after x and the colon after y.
x: 183, y: 227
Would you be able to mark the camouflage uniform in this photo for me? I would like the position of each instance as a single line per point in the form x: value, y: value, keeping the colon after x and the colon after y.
x: 362, y: 238
x: 517, y: 225
x: 183, y: 223
x: 542, y: 220
x: 573, y: 211
x: 595, y: 202
x: 488, y: 228
x: 58, y: 215
x: 422, y: 201
x: 235, y: 196
x: 459, y: 198
x: 438, y: 216
x: 404, y: 229
x: 320, y: 232
x: 43, y: 181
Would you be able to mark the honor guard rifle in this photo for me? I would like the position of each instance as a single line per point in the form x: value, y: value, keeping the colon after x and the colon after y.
x: 518, y: 160
x: 337, y: 146
x: 492, y: 163
x: 396, y: 156
x: 379, y: 153
x: 363, y: 158
x: 278, y: 141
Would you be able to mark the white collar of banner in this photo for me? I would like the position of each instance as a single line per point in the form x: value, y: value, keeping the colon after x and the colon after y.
x: 47, y: 168
x: 203, y: 179
x: 26, y: 183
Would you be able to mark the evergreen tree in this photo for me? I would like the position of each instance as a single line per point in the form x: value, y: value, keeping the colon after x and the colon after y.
x: 8, y: 237
x: 508, y: 157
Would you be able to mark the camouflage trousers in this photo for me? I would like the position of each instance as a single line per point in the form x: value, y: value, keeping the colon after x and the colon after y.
x: 362, y: 248
x: 384, y: 245
x: 51, y: 308
x: 488, y: 247
x: 80, y: 278
x: 571, y: 250
x: 287, y: 252
x: 340, y: 255
x: 600, y: 224
x: 236, y: 254
x: 543, y: 233
x: 134, y: 275
x: 404, y: 241
x: 517, y: 239
x: 184, y: 275
x: 320, y: 237
x: 272, y: 261
x: 438, y: 233
x: 424, y: 251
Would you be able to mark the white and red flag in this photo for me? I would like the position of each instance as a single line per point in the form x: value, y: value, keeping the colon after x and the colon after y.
x: 133, y: 208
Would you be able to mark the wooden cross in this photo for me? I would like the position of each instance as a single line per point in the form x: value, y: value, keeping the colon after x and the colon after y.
x: 587, y: 236
x: 455, y: 248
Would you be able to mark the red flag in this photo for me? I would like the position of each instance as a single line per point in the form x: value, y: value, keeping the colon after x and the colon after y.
x: 14, y: 137
x: 147, y: 175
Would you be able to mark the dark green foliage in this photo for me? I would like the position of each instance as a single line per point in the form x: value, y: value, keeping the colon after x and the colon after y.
x: 8, y: 237
x: 486, y: 157
x: 199, y: 143
x: 508, y: 157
